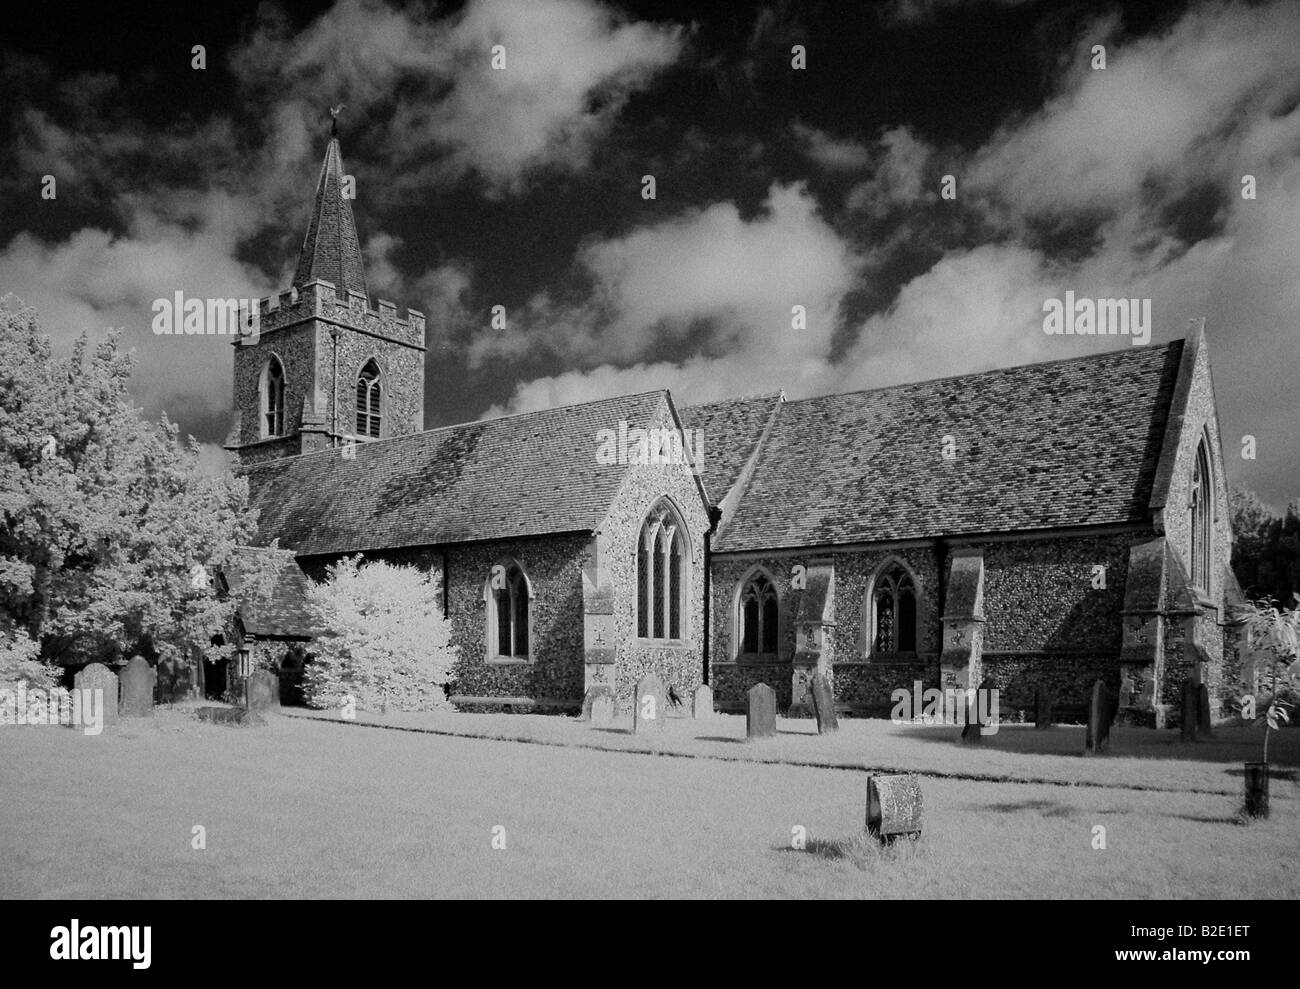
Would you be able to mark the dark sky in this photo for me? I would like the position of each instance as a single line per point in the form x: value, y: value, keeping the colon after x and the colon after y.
x: 775, y: 187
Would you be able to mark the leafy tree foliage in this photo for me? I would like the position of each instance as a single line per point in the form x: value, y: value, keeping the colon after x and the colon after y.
x: 385, y: 641
x: 1266, y: 547
x: 106, y: 520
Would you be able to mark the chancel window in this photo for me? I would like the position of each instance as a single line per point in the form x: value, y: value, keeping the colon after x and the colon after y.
x: 661, y: 573
x: 1201, y: 519
x: 368, y: 401
x: 893, y: 612
x: 758, y: 617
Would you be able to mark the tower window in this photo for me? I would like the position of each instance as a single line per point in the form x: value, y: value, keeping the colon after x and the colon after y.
x: 271, y: 395
x: 368, y: 401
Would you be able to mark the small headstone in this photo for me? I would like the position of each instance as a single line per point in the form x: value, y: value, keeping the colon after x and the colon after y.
x: 97, y: 676
x: 648, y: 705
x: 971, y: 734
x: 594, y: 691
x: 602, y: 709
x: 760, y: 712
x: 137, y: 683
x: 237, y: 717
x: 824, y: 705
x: 1257, y: 789
x: 1101, y: 710
x: 1042, y: 707
x: 264, y: 691
x: 894, y: 806
x: 1191, y: 710
x: 702, y: 703
x: 1204, y: 721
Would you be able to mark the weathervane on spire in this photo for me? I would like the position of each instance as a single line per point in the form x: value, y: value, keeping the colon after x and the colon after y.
x: 1198, y: 322
x: 334, y: 121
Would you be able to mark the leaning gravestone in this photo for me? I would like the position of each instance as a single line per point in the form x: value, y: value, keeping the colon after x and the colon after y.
x: 1204, y: 726
x: 602, y: 709
x: 824, y: 705
x: 1042, y: 707
x: 594, y: 691
x: 264, y: 691
x: 1191, y: 710
x: 137, y: 683
x: 894, y: 806
x: 97, y: 676
x: 760, y: 712
x: 1101, y: 711
x: 702, y: 702
x: 648, y: 705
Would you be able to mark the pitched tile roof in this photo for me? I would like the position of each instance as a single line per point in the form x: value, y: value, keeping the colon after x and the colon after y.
x: 731, y: 430
x: 1065, y: 443
x: 521, y: 475
x: 331, y: 250
x: 282, y: 610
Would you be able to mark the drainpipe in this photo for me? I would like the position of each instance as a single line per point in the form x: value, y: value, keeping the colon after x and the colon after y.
x: 715, y: 516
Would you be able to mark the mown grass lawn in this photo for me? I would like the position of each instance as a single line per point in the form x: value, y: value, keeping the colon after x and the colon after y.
x: 307, y: 809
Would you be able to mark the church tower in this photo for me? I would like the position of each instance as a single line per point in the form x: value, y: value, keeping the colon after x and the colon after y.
x: 321, y: 367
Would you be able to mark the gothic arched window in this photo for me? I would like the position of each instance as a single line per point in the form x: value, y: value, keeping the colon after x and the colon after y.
x: 368, y: 400
x: 662, y: 550
x: 893, y: 612
x: 1201, y: 519
x: 271, y: 399
x: 508, y: 596
x: 757, y: 617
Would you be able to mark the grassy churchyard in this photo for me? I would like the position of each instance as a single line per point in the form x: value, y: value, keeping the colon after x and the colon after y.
x: 307, y: 808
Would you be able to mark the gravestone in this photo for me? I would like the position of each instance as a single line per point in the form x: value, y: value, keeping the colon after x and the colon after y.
x: 264, y: 691
x: 1204, y: 723
x: 1042, y: 707
x: 97, y: 676
x: 1101, y: 711
x: 137, y: 683
x: 894, y: 806
x: 1191, y: 710
x: 236, y: 717
x: 760, y: 712
x: 971, y: 734
x: 594, y: 691
x: 824, y: 705
x: 648, y: 705
x: 702, y: 703
x: 602, y: 709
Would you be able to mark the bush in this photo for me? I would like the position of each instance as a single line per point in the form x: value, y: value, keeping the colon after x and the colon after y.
x: 384, y: 642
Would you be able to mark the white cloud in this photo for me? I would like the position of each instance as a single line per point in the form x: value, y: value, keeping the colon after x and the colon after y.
x: 708, y: 280
x: 832, y: 153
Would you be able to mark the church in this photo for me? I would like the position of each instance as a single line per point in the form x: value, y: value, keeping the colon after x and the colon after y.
x: 1034, y: 527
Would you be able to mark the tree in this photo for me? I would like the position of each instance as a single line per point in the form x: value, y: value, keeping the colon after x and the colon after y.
x: 385, y: 641
x: 105, y: 518
x: 1266, y: 546
x: 1274, y: 635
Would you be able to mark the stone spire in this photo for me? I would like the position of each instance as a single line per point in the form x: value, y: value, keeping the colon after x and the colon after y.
x: 331, y: 250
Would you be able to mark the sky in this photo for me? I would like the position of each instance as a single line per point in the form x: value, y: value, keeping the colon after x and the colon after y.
x: 775, y: 186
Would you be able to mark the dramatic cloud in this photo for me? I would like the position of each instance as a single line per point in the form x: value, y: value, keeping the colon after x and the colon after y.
x: 564, y: 70
x: 707, y: 283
